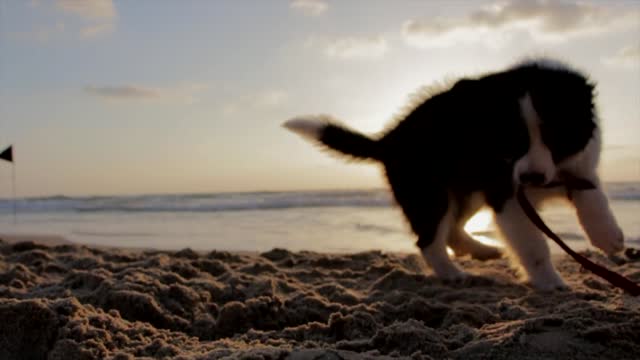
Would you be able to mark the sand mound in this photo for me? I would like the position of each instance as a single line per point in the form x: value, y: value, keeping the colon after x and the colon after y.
x: 78, y: 302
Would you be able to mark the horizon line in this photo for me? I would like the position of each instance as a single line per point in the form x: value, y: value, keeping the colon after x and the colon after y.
x: 299, y: 190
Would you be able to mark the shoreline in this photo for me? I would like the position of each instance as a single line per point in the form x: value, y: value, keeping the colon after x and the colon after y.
x: 54, y: 240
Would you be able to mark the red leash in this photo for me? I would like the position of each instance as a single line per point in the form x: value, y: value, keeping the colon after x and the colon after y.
x: 612, y: 277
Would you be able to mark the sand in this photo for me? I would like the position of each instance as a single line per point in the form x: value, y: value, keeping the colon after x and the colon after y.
x: 67, y: 301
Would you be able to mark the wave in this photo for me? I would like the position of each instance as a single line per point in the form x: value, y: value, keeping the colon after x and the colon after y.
x: 204, y: 202
x: 236, y: 201
x: 623, y: 191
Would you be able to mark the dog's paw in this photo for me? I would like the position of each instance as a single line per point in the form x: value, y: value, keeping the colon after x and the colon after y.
x: 463, y: 244
x: 453, y: 274
x: 609, y: 239
x: 549, y: 282
x: 486, y: 252
x: 549, y: 287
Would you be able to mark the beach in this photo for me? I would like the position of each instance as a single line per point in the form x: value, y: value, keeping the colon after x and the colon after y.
x: 264, y: 180
x: 61, y: 300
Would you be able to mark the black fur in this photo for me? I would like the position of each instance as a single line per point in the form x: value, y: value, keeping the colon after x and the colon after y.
x: 467, y: 138
x: 350, y: 143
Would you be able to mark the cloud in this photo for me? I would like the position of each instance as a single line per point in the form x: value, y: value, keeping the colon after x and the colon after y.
x: 349, y: 47
x: 628, y: 56
x: 185, y: 93
x: 123, y: 92
x: 98, y: 16
x: 310, y: 7
x: 271, y: 98
x: 267, y: 99
x: 357, y: 47
x: 42, y: 33
x: 96, y: 30
x: 89, y: 9
x: 543, y: 20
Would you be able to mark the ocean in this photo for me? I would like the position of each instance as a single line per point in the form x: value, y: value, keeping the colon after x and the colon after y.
x: 326, y: 221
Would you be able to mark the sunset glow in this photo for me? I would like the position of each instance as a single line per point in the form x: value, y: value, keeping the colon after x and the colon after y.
x: 128, y: 97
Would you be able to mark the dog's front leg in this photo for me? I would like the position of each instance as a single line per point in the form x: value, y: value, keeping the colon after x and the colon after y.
x: 529, y: 247
x: 597, y: 219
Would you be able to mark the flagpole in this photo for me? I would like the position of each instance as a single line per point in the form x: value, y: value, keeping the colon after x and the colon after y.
x: 13, y: 185
x: 7, y: 155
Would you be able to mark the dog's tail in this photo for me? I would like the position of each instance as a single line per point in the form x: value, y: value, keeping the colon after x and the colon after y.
x: 324, y: 130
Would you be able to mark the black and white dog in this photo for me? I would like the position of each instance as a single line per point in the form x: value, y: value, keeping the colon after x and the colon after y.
x: 471, y: 144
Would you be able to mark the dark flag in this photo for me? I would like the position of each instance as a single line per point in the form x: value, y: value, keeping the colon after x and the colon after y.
x: 7, y: 154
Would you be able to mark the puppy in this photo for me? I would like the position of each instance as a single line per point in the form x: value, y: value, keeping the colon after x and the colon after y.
x: 470, y: 145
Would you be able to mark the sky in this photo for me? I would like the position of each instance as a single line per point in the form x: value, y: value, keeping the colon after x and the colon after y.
x: 155, y: 96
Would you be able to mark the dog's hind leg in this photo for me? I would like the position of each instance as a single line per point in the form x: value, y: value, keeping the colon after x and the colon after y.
x: 460, y: 241
x: 432, y: 242
x: 429, y: 211
x: 463, y: 244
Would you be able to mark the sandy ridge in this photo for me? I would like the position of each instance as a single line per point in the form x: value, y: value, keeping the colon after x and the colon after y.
x: 77, y: 302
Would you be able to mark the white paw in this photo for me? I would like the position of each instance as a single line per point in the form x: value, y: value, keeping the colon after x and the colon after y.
x: 438, y: 260
x: 609, y: 239
x: 547, y: 282
x: 452, y: 273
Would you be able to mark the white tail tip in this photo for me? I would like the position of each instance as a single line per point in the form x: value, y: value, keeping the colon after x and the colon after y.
x: 307, y: 126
